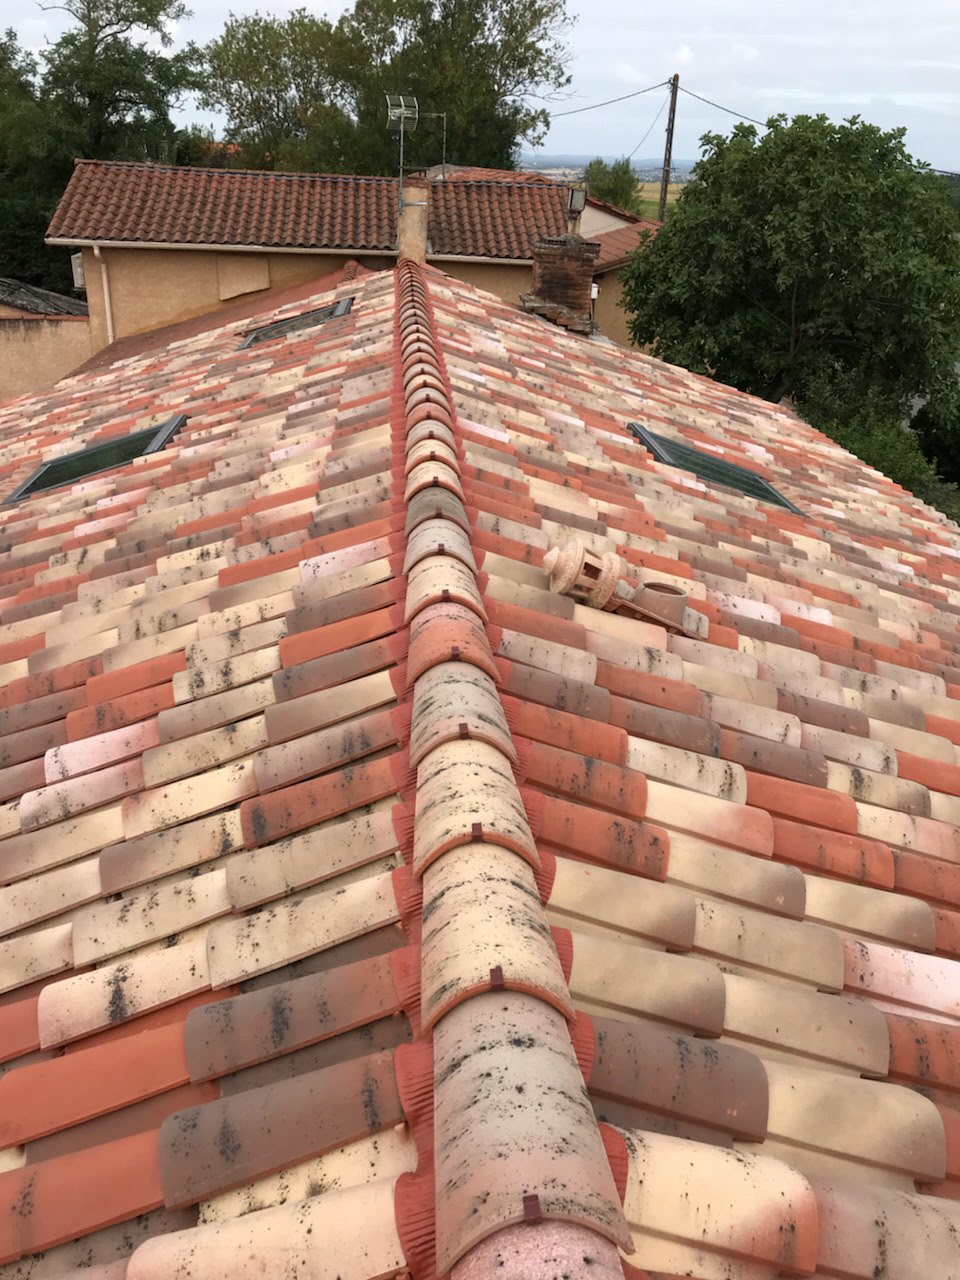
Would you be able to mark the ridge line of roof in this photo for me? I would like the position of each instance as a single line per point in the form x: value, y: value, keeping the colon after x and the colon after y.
x: 465, y: 833
x: 151, y: 166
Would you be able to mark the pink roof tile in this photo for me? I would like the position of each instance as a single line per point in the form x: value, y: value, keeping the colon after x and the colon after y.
x: 366, y: 902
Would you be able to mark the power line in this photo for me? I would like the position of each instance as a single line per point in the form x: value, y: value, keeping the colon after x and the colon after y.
x: 738, y: 114
x: 609, y: 102
x: 650, y: 130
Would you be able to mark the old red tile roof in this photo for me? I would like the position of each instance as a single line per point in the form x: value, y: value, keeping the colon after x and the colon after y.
x: 370, y: 907
x: 116, y: 202
x: 476, y: 173
x: 616, y: 246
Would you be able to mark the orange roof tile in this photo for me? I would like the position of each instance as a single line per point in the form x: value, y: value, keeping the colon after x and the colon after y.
x: 367, y: 904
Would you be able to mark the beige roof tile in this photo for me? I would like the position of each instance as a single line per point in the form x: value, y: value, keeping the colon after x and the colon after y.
x: 77, y: 1006
x: 238, y: 949
x: 483, y: 929
x: 681, y: 1221
x: 492, y: 1058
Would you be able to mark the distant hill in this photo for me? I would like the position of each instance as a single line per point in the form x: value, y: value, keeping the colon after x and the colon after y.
x: 648, y: 169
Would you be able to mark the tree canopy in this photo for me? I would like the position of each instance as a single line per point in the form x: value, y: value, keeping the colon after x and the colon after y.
x: 820, y: 262
x: 615, y: 183
x: 98, y: 91
x: 300, y: 92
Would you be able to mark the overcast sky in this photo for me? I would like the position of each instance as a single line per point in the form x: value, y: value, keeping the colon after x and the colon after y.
x: 890, y: 62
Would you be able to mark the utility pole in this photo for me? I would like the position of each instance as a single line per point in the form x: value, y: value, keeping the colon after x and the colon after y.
x: 668, y: 149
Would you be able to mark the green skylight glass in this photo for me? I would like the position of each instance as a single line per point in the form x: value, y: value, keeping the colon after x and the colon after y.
x: 306, y: 320
x: 710, y: 469
x: 72, y: 467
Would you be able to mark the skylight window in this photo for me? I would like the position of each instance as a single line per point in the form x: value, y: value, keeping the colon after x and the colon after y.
x: 72, y: 467
x: 306, y: 320
x: 710, y: 469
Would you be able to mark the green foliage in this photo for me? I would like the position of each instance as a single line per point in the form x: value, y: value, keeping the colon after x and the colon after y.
x: 269, y: 75
x: 820, y: 262
x: 299, y: 92
x: 99, y: 91
x: 110, y: 94
x: 615, y: 183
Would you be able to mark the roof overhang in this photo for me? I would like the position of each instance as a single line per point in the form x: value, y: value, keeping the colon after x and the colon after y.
x: 270, y: 248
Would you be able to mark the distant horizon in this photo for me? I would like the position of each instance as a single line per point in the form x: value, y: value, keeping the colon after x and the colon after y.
x: 574, y: 160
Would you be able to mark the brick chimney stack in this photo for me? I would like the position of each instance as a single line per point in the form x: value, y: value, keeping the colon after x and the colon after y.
x: 562, y: 290
x: 412, y: 229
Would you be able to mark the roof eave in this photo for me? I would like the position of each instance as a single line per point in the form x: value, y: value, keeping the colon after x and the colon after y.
x: 266, y: 248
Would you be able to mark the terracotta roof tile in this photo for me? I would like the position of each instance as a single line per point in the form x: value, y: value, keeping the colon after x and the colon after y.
x: 312, y: 781
x: 475, y: 216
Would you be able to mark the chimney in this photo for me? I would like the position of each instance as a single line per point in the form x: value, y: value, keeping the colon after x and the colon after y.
x: 563, y: 282
x: 412, y: 228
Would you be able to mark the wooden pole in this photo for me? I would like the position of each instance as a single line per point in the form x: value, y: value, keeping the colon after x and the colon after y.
x: 668, y: 149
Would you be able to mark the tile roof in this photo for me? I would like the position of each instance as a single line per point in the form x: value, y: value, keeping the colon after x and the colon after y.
x: 117, y: 202
x: 368, y: 906
x: 41, y: 302
x: 475, y: 173
x: 617, y: 245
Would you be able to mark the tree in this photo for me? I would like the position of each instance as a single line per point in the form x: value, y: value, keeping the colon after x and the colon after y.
x: 30, y: 173
x: 270, y: 77
x: 301, y: 93
x: 113, y: 94
x: 615, y: 183
x: 99, y: 92
x: 818, y: 262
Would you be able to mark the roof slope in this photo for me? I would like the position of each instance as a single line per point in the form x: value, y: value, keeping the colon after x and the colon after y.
x: 617, y: 245
x: 476, y: 173
x: 41, y: 302
x: 122, y: 202
x: 369, y: 907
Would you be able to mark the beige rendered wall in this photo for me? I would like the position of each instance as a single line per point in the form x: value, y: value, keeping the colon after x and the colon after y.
x: 36, y: 353
x: 593, y: 221
x: 150, y: 288
x: 505, y: 281
x: 607, y: 312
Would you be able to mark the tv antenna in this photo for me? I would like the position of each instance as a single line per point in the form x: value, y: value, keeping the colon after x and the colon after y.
x: 403, y: 115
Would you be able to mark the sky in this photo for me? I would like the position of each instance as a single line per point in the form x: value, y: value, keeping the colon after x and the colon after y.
x: 891, y: 63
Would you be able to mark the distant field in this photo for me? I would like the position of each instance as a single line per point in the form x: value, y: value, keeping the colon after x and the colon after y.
x: 649, y: 193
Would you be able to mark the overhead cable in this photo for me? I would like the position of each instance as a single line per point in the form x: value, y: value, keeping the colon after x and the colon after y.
x: 555, y: 115
x: 728, y: 110
x: 651, y: 128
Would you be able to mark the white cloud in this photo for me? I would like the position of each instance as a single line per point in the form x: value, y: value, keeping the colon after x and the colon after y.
x: 626, y: 73
x: 683, y: 56
x: 747, y: 52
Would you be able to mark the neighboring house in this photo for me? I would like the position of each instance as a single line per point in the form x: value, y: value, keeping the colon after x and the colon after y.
x: 43, y: 336
x: 372, y: 908
x: 162, y: 244
x: 616, y: 246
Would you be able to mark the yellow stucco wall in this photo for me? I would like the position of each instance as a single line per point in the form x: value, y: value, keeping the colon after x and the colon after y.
x: 593, y: 222
x: 150, y: 288
x: 506, y: 282
x: 36, y: 353
x: 607, y: 311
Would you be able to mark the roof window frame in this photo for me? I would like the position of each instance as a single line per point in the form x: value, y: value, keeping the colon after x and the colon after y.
x: 155, y: 439
x: 660, y: 446
x: 294, y: 324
